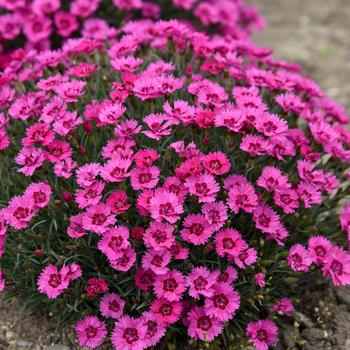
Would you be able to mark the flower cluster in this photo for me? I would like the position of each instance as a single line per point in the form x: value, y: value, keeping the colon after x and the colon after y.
x: 44, y: 23
x: 188, y: 173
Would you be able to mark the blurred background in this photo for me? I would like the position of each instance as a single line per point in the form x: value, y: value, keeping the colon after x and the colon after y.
x: 315, y: 34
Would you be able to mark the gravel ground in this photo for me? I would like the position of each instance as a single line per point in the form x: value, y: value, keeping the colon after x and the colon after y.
x: 315, y: 34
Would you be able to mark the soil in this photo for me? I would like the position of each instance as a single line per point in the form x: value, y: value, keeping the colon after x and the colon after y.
x: 315, y: 34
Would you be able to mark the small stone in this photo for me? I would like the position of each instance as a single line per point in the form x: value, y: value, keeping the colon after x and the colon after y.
x: 9, y: 335
x: 57, y: 347
x: 303, y: 319
x: 24, y: 344
x: 314, y: 334
x: 343, y: 295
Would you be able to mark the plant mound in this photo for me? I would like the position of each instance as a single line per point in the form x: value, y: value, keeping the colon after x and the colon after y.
x: 168, y: 186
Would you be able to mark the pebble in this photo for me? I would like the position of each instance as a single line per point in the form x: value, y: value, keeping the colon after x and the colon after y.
x: 303, y: 319
x: 24, y: 344
x: 58, y: 347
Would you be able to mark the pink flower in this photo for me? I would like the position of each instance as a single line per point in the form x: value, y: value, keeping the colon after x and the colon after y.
x: 181, y: 111
x: 270, y: 125
x: 19, y: 212
x: 345, y: 219
x: 170, y: 286
x: 144, y: 279
x: 126, y: 64
x: 202, y: 326
x: 157, y: 261
x: 111, y: 305
x: 116, y: 170
x: 113, y: 241
x: 40, y: 193
x: 283, y: 306
x: 215, y: 213
x: 197, y: 229
x: 74, y: 272
x: 3, y: 227
x: 83, y: 8
x: 58, y: 150
x: 319, y: 247
x: 299, y: 258
x: 290, y: 102
x: 230, y: 242
x: 166, y: 312
x: 110, y: 114
x: 337, y: 266
x: 216, y: 163
x: 82, y: 70
x: 227, y: 276
x: 64, y: 168
x: 272, y: 179
x: 230, y: 117
x: 174, y: 185
x: 143, y: 202
x: 159, y: 235
x: 10, y: 26
x: 119, y: 149
x: 200, y: 282
x: 223, y: 303
x: 31, y: 158
x: 262, y: 333
x: 309, y: 194
x: 4, y: 139
x: 235, y: 180
x: 126, y: 261
x: 37, y: 29
x: 40, y: 133
x: 70, y: 91
x: 260, y: 279
x: 266, y: 219
x: 117, y: 202
x: 89, y: 196
x: 144, y: 178
x: 52, y: 281
x: 96, y: 286
x: 76, y: 228
x: 129, y: 5
x: 189, y: 167
x: 254, y: 144
x: 184, y: 4
x: 287, y: 199
x: 155, y: 330
x: 242, y: 197
x: 2, y: 281
x: 203, y: 186
x: 67, y: 124
x: 2, y: 244
x: 308, y: 174
x: 98, y: 218
x: 129, y: 334
x: 186, y: 151
x: 65, y: 23
x: 245, y: 258
x: 159, y: 126
x: 165, y: 205
x: 90, y: 332
x: 178, y: 252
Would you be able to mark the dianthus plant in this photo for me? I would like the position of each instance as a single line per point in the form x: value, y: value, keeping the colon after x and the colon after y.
x: 169, y: 187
